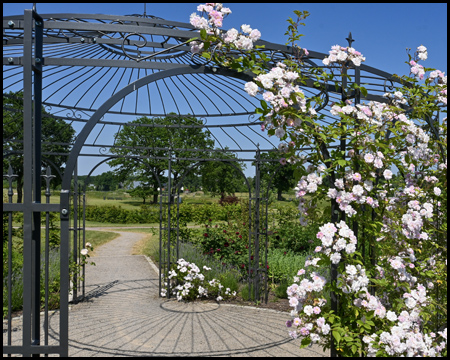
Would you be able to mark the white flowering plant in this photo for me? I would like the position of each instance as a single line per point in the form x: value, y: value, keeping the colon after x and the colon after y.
x: 76, y: 267
x: 186, y: 281
x: 387, y: 246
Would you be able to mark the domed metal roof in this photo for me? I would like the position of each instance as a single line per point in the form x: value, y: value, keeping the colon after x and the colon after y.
x: 88, y: 60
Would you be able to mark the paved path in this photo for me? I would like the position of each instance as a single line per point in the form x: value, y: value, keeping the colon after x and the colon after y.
x: 123, y: 316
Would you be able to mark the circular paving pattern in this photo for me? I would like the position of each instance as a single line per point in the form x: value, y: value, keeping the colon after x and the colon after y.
x: 123, y: 316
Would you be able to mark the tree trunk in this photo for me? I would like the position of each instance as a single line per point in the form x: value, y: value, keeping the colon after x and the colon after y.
x: 280, y: 197
x: 155, y: 198
x: 143, y: 201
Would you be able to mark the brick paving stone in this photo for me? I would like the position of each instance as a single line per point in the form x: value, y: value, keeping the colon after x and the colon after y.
x: 123, y: 316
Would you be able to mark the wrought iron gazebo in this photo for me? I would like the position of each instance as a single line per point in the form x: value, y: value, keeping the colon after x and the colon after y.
x: 99, y: 72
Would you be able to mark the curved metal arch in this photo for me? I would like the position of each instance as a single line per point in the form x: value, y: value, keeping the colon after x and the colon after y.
x: 101, y: 111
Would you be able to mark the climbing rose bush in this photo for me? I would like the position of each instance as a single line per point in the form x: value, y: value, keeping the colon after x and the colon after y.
x: 389, y: 188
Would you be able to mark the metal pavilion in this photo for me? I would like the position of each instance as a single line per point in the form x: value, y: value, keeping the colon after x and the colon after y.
x: 99, y: 72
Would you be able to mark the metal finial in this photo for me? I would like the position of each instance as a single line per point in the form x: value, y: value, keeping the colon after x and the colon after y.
x: 350, y: 39
x: 145, y: 9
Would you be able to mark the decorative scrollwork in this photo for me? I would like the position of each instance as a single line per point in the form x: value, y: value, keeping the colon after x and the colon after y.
x: 126, y: 39
x: 252, y: 118
x: 390, y: 87
x: 273, y: 57
x: 204, y: 120
x: 75, y: 114
x: 104, y: 150
x: 205, y: 62
x: 138, y: 46
x: 325, y: 102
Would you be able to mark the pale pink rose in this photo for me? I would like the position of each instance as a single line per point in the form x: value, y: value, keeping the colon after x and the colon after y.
x: 368, y: 158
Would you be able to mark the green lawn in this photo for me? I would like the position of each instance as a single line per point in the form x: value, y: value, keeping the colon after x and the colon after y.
x: 121, y: 198
x: 97, y: 238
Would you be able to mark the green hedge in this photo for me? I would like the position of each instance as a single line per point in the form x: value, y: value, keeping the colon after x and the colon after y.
x: 196, y: 213
x: 117, y: 215
x: 189, y: 213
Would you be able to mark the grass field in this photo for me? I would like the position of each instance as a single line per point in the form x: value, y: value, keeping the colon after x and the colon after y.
x: 121, y: 198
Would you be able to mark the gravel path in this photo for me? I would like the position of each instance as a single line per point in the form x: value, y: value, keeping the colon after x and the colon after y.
x: 123, y: 316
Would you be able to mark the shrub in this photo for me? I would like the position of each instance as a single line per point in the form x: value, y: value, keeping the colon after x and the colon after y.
x: 246, y: 294
x: 187, y: 281
x: 281, y: 289
x: 191, y: 253
x: 227, y: 243
x: 229, y: 200
x: 284, y: 264
x: 117, y: 215
x: 295, y: 237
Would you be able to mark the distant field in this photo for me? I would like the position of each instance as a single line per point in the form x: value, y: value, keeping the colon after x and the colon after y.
x: 121, y: 198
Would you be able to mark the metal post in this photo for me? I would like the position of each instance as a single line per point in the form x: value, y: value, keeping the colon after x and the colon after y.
x: 37, y: 129
x: 363, y: 208
x: 28, y: 269
x: 64, y: 249
x: 169, y: 195
x: 250, y: 240
x: 10, y: 178
x: 333, y: 274
x: 48, y: 177
x: 160, y: 262
x: 257, y: 272
x: 75, y: 234
x: 84, y: 240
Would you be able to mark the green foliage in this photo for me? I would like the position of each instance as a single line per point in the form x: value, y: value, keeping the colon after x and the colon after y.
x: 57, y: 135
x: 118, y: 215
x: 229, y: 200
x: 201, y: 213
x: 296, y: 237
x: 151, y: 138
x: 107, y: 181
x: 143, y: 191
x: 292, y: 30
x: 215, y: 275
x: 284, y: 264
x: 280, y: 177
x: 281, y: 289
x: 227, y: 243
x: 247, y: 293
x: 193, y: 254
x: 17, y: 277
x: 220, y: 177
x: 53, y: 230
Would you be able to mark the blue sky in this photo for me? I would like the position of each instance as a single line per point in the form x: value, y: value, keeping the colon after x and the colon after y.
x: 382, y: 31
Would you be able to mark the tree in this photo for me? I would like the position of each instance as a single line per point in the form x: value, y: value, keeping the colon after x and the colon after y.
x: 57, y: 136
x: 192, y: 182
x: 281, y: 180
x: 106, y: 181
x: 143, y: 191
x: 151, y: 138
x: 221, y: 178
